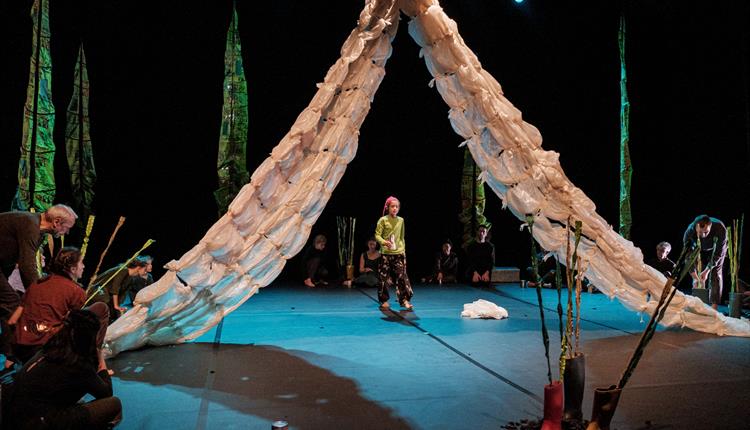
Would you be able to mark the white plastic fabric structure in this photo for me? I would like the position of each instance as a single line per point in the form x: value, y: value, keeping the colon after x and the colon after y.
x: 484, y: 309
x: 270, y: 219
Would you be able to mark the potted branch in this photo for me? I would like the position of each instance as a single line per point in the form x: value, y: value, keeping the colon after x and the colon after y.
x: 734, y: 237
x: 572, y: 360
x: 553, y: 390
x: 606, y: 399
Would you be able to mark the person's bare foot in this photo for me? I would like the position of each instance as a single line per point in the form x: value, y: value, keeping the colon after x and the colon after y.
x: 406, y: 305
x: 385, y: 306
x: 309, y: 283
x: 347, y: 283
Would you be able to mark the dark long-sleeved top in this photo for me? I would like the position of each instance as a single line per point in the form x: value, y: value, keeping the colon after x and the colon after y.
x: 117, y: 286
x: 718, y: 231
x: 480, y: 256
x: 19, y: 240
x: 43, y: 386
x: 446, y: 264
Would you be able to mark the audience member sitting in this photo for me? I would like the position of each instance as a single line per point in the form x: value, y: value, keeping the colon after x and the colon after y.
x: 547, y: 271
x: 317, y: 268
x: 368, y: 266
x: 47, y: 390
x: 137, y: 283
x: 480, y: 259
x: 446, y: 265
x: 48, y: 301
x: 116, y: 283
x: 661, y: 262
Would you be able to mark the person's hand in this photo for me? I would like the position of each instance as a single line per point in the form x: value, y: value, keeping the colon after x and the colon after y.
x: 475, y: 277
x: 486, y: 277
x: 367, y: 269
x: 704, y: 275
x: 387, y: 243
x: 121, y: 309
x: 440, y: 277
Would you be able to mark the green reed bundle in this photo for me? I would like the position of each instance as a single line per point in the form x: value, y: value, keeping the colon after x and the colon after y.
x: 538, y: 282
x: 345, y: 227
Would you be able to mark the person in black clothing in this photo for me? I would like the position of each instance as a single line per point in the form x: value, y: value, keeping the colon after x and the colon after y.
x: 446, y: 265
x: 705, y: 229
x: 662, y: 262
x: 46, y: 391
x: 135, y: 284
x: 315, y: 263
x: 547, y: 271
x: 20, y: 238
x: 368, y: 266
x: 480, y: 259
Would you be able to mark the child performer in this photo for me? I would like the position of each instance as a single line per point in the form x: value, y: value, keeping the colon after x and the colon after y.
x: 389, y: 233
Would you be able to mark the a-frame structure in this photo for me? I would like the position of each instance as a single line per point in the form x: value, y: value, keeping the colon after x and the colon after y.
x: 270, y: 219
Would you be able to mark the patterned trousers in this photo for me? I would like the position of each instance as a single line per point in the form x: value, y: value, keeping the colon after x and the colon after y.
x: 392, y: 270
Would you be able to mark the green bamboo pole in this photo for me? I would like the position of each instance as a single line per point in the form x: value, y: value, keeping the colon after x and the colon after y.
x: 626, y: 169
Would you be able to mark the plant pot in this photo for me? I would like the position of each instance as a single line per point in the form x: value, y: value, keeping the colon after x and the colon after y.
x: 552, y: 406
x: 735, y: 305
x: 605, y: 403
x: 574, y: 384
x: 349, y: 272
x: 701, y: 293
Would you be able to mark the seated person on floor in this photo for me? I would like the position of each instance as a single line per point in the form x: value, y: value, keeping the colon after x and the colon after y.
x: 446, y: 265
x: 47, y: 390
x: 368, y: 266
x: 547, y: 271
x: 116, y: 284
x: 316, y: 264
x: 49, y: 300
x: 661, y: 261
x: 480, y: 256
x: 137, y: 283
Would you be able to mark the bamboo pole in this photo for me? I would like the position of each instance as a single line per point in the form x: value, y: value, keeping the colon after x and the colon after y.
x: 120, y: 222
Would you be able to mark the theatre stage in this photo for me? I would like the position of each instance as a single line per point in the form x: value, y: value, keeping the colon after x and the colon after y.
x: 327, y: 358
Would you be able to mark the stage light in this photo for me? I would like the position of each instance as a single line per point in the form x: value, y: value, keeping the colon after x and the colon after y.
x: 518, y: 1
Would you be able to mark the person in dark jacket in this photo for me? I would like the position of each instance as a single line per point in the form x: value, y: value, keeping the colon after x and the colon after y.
x: 20, y: 238
x: 47, y: 390
x: 708, y: 232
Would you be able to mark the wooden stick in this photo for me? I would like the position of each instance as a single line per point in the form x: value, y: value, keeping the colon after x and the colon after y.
x: 120, y: 222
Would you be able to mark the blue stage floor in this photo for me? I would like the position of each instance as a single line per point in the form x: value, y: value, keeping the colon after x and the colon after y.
x: 329, y: 359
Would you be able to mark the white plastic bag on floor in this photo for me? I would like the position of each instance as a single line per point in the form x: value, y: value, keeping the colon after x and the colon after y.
x: 484, y: 309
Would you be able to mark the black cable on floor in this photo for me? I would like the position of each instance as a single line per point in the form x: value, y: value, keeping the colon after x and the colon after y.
x: 461, y: 354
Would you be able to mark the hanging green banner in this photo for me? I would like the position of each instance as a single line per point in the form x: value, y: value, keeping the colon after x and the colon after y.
x: 232, y: 169
x: 78, y: 141
x: 36, y: 176
x: 472, y: 200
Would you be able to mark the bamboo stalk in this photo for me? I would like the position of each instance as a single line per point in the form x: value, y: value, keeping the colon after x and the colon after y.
x: 537, y: 280
x: 123, y: 266
x: 89, y: 227
x: 657, y: 315
x: 120, y: 222
x: 579, y: 282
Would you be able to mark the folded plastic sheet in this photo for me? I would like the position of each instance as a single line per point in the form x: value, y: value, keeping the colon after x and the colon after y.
x: 484, y: 309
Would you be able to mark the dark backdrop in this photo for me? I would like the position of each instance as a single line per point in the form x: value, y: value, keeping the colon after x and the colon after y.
x: 156, y: 71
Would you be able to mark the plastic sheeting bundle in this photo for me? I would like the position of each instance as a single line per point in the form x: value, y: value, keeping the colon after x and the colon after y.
x: 484, y: 309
